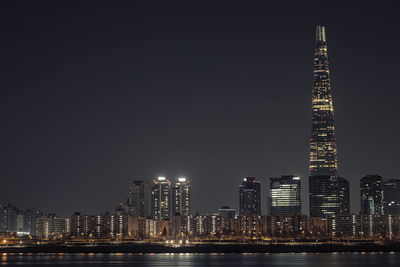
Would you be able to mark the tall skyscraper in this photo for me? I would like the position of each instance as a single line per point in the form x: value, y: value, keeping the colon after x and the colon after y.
x: 160, y: 199
x: 329, y: 195
x: 285, y: 195
x: 139, y: 198
x: 250, y: 197
x: 182, y: 197
x: 391, y: 196
x: 371, y: 193
x: 323, y: 152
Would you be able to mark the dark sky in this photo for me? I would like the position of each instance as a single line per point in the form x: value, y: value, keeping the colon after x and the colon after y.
x: 97, y: 94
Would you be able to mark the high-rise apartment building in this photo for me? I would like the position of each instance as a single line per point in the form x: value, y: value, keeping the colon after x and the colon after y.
x: 30, y: 216
x: 51, y: 226
x: 391, y: 196
x: 285, y: 195
x: 8, y: 217
x: 250, y: 197
x: 160, y: 199
x: 139, y: 200
x: 182, y: 197
x: 371, y: 193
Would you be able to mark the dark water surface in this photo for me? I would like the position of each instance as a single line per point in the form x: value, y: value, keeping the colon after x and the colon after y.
x: 280, y: 259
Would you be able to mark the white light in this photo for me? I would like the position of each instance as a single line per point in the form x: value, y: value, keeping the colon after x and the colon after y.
x: 21, y: 233
x: 245, y: 179
x: 296, y: 178
x: 182, y: 179
x: 161, y: 178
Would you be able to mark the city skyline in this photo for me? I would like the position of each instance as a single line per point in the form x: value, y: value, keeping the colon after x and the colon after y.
x: 171, y: 213
x: 91, y: 120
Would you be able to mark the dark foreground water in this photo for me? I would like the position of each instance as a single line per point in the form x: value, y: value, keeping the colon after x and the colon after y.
x: 220, y: 260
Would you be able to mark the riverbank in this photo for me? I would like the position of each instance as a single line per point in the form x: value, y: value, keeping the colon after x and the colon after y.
x: 202, y: 248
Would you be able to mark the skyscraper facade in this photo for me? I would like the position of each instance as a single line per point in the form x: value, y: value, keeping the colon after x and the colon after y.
x: 250, y: 197
x: 139, y: 198
x: 328, y: 195
x: 391, y: 196
x: 182, y: 197
x: 285, y: 195
x: 371, y: 193
x: 160, y: 199
x: 323, y: 152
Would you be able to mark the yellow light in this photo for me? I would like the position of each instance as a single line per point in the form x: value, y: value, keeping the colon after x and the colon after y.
x: 4, y: 241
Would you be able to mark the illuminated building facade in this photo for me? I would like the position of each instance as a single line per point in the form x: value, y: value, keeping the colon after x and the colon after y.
x: 328, y: 195
x: 250, y: 197
x: 285, y: 195
x: 51, y: 226
x: 323, y: 152
x: 294, y: 225
x: 182, y: 197
x: 363, y: 226
x: 160, y: 199
x: 371, y: 193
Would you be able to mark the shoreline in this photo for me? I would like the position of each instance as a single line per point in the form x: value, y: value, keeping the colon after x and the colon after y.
x: 207, y: 248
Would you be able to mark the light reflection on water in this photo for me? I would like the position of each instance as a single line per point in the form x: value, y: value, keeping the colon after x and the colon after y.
x: 194, y: 260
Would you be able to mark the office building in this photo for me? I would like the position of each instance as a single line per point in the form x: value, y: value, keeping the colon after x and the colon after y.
x: 285, y: 195
x: 328, y: 195
x: 371, y: 193
x: 250, y: 197
x: 391, y: 196
x: 323, y: 151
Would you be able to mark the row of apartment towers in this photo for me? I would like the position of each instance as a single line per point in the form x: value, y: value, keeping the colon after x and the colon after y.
x: 329, y: 194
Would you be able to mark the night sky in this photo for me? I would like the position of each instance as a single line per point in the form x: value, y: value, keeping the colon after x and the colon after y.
x: 97, y: 94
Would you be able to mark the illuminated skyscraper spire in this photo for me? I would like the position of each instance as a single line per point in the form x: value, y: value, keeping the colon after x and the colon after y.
x: 323, y: 152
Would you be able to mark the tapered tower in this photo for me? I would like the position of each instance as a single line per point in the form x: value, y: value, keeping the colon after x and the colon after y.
x: 323, y: 151
x: 328, y: 193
